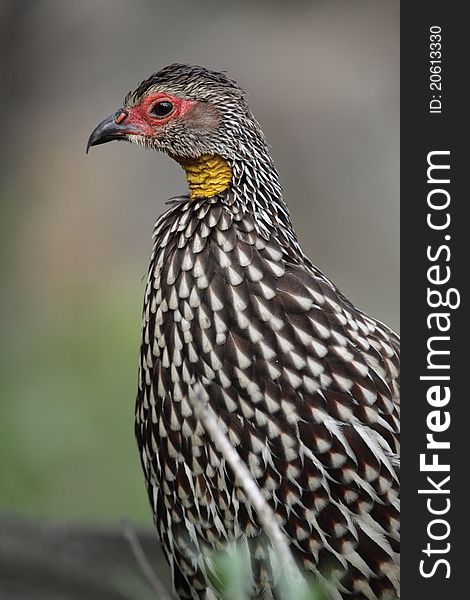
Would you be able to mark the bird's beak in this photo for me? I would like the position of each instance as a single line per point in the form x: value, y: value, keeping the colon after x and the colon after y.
x: 111, y: 128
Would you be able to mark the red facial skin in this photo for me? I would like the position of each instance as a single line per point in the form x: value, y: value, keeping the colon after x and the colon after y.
x: 141, y: 119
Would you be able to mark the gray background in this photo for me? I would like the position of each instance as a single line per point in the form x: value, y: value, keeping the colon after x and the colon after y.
x: 76, y: 231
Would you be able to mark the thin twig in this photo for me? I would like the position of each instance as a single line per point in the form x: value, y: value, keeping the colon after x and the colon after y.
x: 143, y: 562
x: 266, y: 515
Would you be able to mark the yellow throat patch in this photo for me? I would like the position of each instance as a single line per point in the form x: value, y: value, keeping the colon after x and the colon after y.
x: 207, y: 175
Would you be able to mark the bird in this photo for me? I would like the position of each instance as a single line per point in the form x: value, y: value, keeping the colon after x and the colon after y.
x: 304, y: 384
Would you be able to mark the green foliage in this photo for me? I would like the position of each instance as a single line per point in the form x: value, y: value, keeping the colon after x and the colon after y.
x: 232, y: 577
x: 68, y: 385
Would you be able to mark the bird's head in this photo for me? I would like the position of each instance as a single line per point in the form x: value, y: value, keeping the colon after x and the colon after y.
x: 185, y: 111
x: 193, y: 114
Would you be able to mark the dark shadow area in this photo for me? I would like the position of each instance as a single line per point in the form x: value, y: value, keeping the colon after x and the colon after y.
x: 48, y: 560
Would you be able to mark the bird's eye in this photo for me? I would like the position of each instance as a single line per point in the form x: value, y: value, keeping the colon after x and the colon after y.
x: 162, y: 109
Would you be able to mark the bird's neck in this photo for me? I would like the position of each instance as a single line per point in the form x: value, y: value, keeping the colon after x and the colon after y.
x: 207, y: 175
x: 249, y: 185
x: 211, y: 175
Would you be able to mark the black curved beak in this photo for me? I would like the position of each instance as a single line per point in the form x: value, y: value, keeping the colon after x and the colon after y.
x: 111, y: 128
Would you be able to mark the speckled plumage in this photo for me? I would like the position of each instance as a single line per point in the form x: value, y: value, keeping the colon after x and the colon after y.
x: 304, y: 384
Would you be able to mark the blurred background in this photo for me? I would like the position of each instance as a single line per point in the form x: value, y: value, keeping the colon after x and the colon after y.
x: 323, y: 80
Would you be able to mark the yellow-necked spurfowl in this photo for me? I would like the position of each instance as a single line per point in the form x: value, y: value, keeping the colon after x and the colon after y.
x: 304, y: 384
